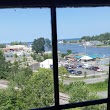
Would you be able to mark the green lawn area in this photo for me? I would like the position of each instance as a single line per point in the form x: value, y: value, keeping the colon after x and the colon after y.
x: 101, y: 86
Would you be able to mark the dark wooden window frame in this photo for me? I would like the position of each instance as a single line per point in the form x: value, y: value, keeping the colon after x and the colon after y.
x: 53, y: 4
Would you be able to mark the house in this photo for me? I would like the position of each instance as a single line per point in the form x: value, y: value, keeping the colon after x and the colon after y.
x: 46, y: 63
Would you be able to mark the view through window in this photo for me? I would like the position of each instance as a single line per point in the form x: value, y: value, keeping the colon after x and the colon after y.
x: 26, y: 63
x: 83, y: 43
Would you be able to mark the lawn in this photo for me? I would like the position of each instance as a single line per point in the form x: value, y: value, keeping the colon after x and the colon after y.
x: 97, y: 87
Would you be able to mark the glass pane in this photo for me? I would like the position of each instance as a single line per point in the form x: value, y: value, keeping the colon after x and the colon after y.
x: 83, y: 53
x: 26, y: 78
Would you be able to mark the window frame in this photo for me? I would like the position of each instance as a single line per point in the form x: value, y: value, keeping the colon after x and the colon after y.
x: 53, y: 4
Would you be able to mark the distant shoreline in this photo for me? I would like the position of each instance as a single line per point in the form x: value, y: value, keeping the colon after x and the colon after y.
x: 102, y: 46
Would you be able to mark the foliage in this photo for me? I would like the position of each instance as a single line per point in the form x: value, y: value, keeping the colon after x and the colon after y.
x: 16, y: 43
x: 62, y: 71
x: 15, y: 56
x: 42, y: 82
x: 4, y: 66
x: 21, y: 77
x: 101, y: 86
x: 24, y: 58
x: 38, y: 45
x: 48, y: 44
x: 69, y: 52
x: 64, y: 54
x: 73, y: 41
x: 33, y: 56
x: 64, y: 41
x: 47, y: 56
x: 37, y: 91
x: 78, y: 91
x: 2, y: 46
x: 105, y: 38
x: 39, y: 58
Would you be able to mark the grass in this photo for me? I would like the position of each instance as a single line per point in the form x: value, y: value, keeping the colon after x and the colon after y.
x: 97, y: 87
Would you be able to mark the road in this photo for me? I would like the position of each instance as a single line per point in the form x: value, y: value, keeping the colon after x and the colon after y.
x: 90, y: 80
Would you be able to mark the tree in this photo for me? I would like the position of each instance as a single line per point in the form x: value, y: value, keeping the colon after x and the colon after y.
x: 38, y: 45
x: 24, y: 58
x: 39, y: 58
x: 64, y: 41
x: 2, y: 46
x: 4, y: 66
x: 16, y: 43
x: 33, y: 56
x: 36, y: 92
x: 15, y: 56
x: 78, y: 91
x: 47, y: 56
x: 69, y: 52
x: 62, y: 72
x: 48, y: 44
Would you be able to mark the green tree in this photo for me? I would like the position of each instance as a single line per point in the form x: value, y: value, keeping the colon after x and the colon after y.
x: 4, y: 66
x: 62, y: 72
x: 36, y: 92
x: 2, y: 46
x: 14, y: 70
x: 16, y: 43
x: 15, y: 56
x: 39, y: 58
x: 78, y: 91
x: 33, y: 56
x: 24, y: 58
x: 47, y: 56
x: 48, y: 44
x: 69, y: 52
x: 64, y: 41
x: 38, y: 45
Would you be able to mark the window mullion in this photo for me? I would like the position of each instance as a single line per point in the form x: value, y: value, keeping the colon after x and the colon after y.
x: 55, y: 57
x: 108, y: 104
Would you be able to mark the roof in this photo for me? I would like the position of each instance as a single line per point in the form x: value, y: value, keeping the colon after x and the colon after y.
x: 94, y: 56
x: 86, y: 58
x: 47, y: 61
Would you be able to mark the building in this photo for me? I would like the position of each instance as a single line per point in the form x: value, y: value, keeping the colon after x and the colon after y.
x: 16, y: 48
x: 46, y: 63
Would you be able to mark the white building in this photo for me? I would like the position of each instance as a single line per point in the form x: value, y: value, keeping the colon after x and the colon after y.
x: 46, y: 63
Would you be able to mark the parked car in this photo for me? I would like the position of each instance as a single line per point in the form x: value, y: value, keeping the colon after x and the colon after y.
x: 79, y: 66
x: 79, y: 72
x: 95, y: 68
x: 74, y: 71
x: 86, y: 66
x: 100, y: 70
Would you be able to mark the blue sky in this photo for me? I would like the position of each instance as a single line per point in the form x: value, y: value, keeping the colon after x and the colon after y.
x: 29, y: 24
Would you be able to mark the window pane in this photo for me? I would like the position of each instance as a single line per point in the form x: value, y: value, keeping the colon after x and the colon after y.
x: 84, y: 51
x: 26, y: 75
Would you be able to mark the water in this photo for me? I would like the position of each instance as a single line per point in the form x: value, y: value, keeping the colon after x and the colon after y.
x: 77, y: 48
x: 100, y: 51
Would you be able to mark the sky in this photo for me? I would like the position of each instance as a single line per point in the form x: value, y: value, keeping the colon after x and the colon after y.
x: 28, y: 24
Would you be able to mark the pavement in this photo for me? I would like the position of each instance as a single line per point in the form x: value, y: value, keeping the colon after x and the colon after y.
x: 89, y: 80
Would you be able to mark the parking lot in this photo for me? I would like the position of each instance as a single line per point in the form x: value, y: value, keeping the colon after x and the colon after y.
x: 87, y: 71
